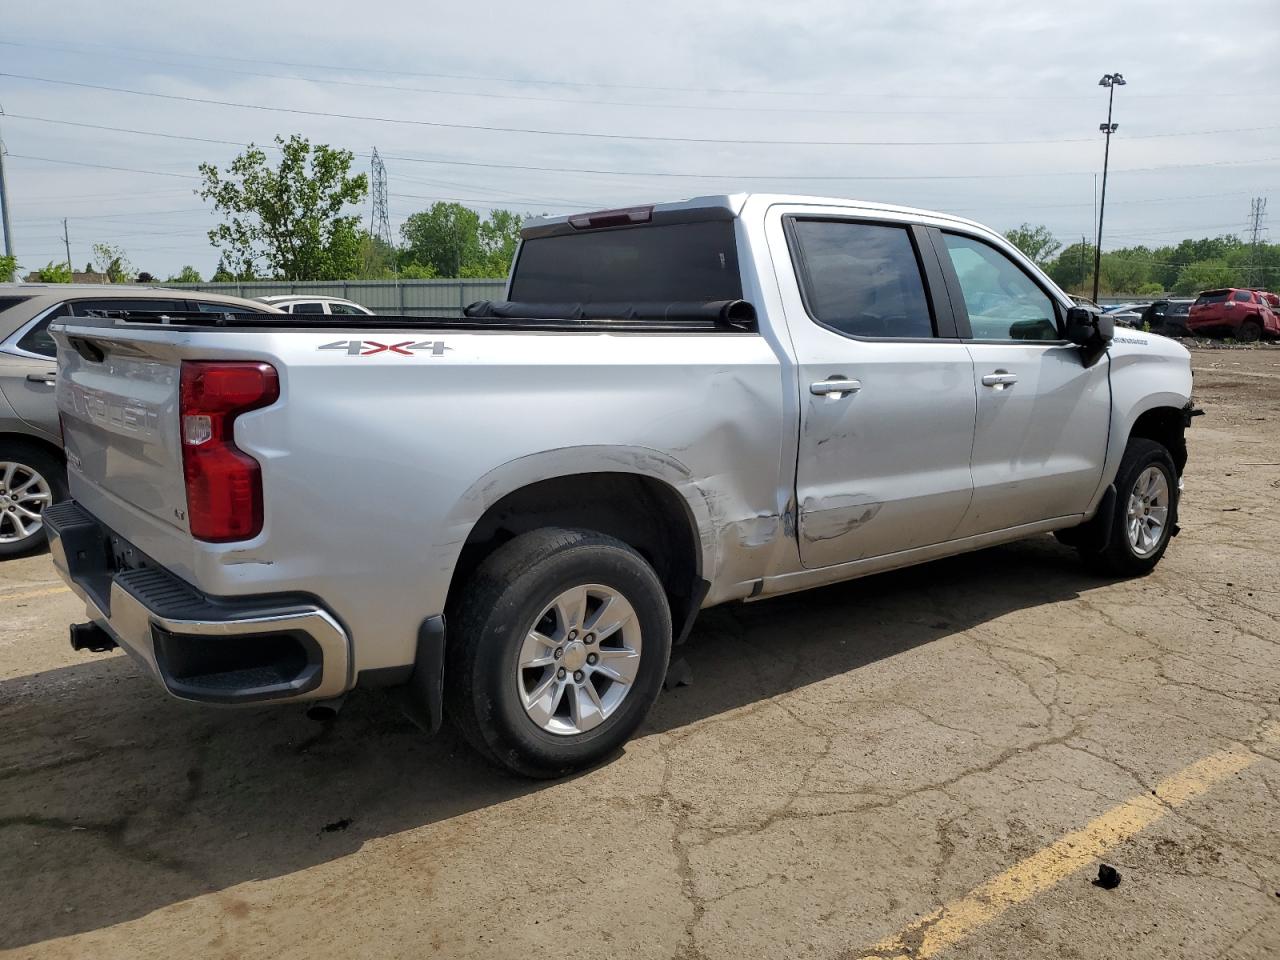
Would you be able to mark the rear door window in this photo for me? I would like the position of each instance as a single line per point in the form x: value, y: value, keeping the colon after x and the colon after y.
x: 307, y: 308
x: 862, y: 279
x: 662, y: 263
x: 1244, y: 296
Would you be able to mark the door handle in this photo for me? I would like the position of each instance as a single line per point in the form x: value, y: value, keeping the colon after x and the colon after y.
x: 999, y: 380
x: 836, y: 387
x: 49, y: 378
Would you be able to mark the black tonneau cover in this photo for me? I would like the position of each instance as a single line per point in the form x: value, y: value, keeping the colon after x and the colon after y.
x: 722, y: 316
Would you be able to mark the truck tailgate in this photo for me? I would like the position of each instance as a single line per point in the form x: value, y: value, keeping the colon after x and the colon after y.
x: 118, y: 400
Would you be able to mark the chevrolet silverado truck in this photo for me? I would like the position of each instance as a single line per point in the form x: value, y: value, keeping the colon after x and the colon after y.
x: 513, y: 514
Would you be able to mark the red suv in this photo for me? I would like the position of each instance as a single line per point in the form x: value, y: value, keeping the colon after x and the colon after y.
x: 1246, y: 315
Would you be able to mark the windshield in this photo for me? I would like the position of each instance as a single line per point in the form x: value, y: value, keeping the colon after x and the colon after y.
x: 665, y: 263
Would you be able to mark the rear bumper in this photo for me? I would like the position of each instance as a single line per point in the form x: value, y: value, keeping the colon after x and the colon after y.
x: 280, y: 647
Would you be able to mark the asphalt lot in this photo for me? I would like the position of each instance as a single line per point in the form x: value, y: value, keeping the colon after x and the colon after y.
x: 927, y: 763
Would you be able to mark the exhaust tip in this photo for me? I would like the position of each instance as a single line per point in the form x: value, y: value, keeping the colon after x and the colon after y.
x: 325, y: 711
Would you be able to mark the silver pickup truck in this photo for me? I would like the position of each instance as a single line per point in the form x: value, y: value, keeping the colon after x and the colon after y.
x: 515, y: 513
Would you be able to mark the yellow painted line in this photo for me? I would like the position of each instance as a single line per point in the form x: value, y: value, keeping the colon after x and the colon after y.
x: 956, y: 920
x: 32, y: 594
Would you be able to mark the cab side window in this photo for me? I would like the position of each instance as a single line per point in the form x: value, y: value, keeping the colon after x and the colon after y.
x: 1002, y: 301
x: 862, y: 279
x: 1244, y: 296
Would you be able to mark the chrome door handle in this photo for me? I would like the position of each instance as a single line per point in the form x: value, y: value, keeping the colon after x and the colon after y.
x: 49, y: 378
x: 1000, y: 380
x: 836, y: 387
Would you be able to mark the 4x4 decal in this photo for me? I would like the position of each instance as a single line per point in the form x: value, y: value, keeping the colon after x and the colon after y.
x: 367, y: 348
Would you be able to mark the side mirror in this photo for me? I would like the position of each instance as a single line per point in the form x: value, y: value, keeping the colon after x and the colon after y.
x: 1080, y: 325
x: 1090, y: 331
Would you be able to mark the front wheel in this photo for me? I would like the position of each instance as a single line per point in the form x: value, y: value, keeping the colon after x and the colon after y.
x: 557, y: 650
x: 1146, y: 511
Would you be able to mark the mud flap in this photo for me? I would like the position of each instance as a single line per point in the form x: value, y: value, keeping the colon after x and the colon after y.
x: 423, y: 699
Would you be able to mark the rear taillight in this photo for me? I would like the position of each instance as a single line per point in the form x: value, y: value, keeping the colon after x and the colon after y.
x: 224, y: 484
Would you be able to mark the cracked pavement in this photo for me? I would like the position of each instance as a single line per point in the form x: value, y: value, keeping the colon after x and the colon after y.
x: 846, y: 761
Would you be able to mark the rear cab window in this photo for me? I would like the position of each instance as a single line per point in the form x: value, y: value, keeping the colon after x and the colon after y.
x: 650, y: 263
x: 306, y: 308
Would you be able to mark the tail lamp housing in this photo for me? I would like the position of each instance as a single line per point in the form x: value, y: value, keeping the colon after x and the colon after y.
x: 224, y: 484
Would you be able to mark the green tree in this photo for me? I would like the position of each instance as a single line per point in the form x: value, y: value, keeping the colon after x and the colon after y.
x: 444, y: 237
x: 377, y: 258
x: 289, y: 219
x: 454, y: 242
x: 1072, y: 269
x: 418, y: 271
x: 187, y: 274
x: 52, y: 273
x: 8, y: 268
x: 1037, y: 242
x: 1149, y: 290
x: 1204, y: 275
x: 111, y: 260
x: 1124, y: 271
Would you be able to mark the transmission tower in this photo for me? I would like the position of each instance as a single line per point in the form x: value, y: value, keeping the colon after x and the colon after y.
x: 379, y: 219
x: 1257, y: 231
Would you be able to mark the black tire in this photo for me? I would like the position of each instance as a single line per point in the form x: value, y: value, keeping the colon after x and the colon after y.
x: 1250, y: 332
x: 500, y: 604
x: 1118, y: 556
x: 29, y: 456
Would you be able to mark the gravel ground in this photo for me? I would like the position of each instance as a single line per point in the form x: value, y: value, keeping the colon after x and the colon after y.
x: 927, y: 763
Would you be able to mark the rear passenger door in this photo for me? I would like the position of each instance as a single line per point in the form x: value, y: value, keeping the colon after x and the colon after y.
x: 1043, y: 416
x: 887, y: 405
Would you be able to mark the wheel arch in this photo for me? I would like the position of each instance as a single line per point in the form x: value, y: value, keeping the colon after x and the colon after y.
x: 642, y: 497
x: 9, y: 438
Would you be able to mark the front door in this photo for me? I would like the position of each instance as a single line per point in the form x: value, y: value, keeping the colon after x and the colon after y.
x: 887, y: 406
x: 1041, y: 434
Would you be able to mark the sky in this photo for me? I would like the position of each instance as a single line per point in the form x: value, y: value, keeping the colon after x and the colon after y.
x: 985, y: 109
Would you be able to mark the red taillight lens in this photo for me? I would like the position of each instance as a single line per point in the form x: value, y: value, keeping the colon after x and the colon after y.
x: 224, y: 484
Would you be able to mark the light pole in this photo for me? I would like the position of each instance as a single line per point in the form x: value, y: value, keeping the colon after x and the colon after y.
x: 1110, y: 81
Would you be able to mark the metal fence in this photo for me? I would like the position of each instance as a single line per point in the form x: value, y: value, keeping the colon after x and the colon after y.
x: 421, y: 298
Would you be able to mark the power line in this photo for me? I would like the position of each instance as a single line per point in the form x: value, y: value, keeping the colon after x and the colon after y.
x: 489, y: 128
x: 570, y: 101
x: 542, y: 81
x: 103, y: 166
x: 645, y: 173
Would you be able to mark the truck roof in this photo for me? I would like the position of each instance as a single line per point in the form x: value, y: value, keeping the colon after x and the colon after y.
x: 713, y: 207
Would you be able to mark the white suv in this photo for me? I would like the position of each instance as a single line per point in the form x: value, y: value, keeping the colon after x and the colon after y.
x: 293, y: 303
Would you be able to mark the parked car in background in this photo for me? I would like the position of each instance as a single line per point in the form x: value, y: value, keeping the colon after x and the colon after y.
x: 1167, y: 317
x: 1246, y: 315
x: 32, y: 472
x: 329, y: 305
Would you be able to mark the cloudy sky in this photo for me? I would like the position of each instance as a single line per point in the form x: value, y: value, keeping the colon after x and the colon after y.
x: 988, y: 109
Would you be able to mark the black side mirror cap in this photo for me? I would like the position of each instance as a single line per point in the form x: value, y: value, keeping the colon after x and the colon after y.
x: 1090, y: 331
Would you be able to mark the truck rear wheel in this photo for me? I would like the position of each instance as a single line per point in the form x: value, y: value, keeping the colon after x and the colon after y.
x: 556, y: 651
x: 1250, y: 332
x: 1146, y: 511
